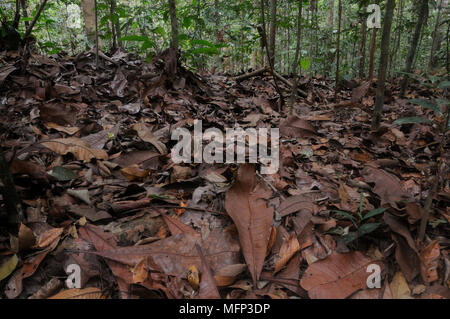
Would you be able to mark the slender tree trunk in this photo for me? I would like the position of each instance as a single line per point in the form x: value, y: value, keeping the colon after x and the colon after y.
x: 372, y: 51
x: 447, y: 64
x: 421, y: 20
x: 23, y: 4
x: 272, y: 31
x: 362, y: 49
x: 385, y: 39
x: 436, y: 38
x: 329, y: 54
x: 297, y: 55
x: 338, y: 47
x: 399, y: 26
x: 116, y: 24
x: 174, y: 24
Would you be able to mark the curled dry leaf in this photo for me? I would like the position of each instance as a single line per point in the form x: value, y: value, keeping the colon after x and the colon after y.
x: 208, y: 287
x: 299, y: 203
x: 86, y: 293
x: 146, y: 135
x: 26, y: 238
x: 399, y: 287
x: 246, y: 203
x: 134, y: 172
x: 227, y: 275
x: 429, y: 257
x: 294, y: 126
x: 48, y: 237
x: 288, y: 249
x: 337, y: 276
x: 79, y: 148
x: 387, y: 186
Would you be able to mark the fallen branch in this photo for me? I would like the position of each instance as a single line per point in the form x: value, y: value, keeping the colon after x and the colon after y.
x: 285, y: 81
x: 250, y: 75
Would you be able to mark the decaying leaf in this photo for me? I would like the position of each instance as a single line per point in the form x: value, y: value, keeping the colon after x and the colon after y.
x: 79, y: 148
x: 74, y: 293
x: 337, y: 276
x: 246, y: 204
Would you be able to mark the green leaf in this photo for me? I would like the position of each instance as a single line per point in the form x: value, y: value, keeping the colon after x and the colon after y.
x: 349, y: 237
x: 367, y: 228
x: 62, y: 174
x: 8, y: 267
x: 305, y: 63
x: 374, y: 213
x: 410, y: 120
x: 444, y: 84
x: 426, y: 104
x: 347, y: 216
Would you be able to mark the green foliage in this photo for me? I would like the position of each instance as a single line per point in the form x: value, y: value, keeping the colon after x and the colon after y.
x: 359, y: 222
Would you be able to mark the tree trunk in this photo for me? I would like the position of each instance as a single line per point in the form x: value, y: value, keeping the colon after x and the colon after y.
x: 338, y: 49
x: 421, y: 20
x: 174, y: 23
x: 399, y: 26
x: 436, y: 39
x: 88, y: 7
x: 23, y: 4
x: 385, y: 39
x: 362, y: 49
x: 372, y: 51
x: 272, y: 31
x: 115, y: 24
x: 297, y: 55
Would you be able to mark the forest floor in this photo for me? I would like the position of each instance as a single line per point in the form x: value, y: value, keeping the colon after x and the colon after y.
x: 89, y: 150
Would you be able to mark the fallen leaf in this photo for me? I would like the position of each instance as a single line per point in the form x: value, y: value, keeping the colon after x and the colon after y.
x: 86, y: 293
x: 246, y: 204
x: 146, y: 135
x: 387, y: 186
x: 294, y: 126
x: 8, y: 267
x: 288, y: 249
x: 429, y: 257
x: 399, y: 287
x: 337, y: 276
x: 79, y: 148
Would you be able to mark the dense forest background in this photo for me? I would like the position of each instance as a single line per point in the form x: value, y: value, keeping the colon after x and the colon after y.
x: 222, y: 36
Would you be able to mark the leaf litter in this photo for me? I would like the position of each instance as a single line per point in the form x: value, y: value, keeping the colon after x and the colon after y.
x: 90, y: 154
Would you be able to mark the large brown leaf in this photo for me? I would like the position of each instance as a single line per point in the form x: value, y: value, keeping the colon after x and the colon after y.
x: 175, y: 254
x: 294, y: 126
x: 81, y: 149
x: 387, y: 186
x: 338, y: 276
x: 246, y: 204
